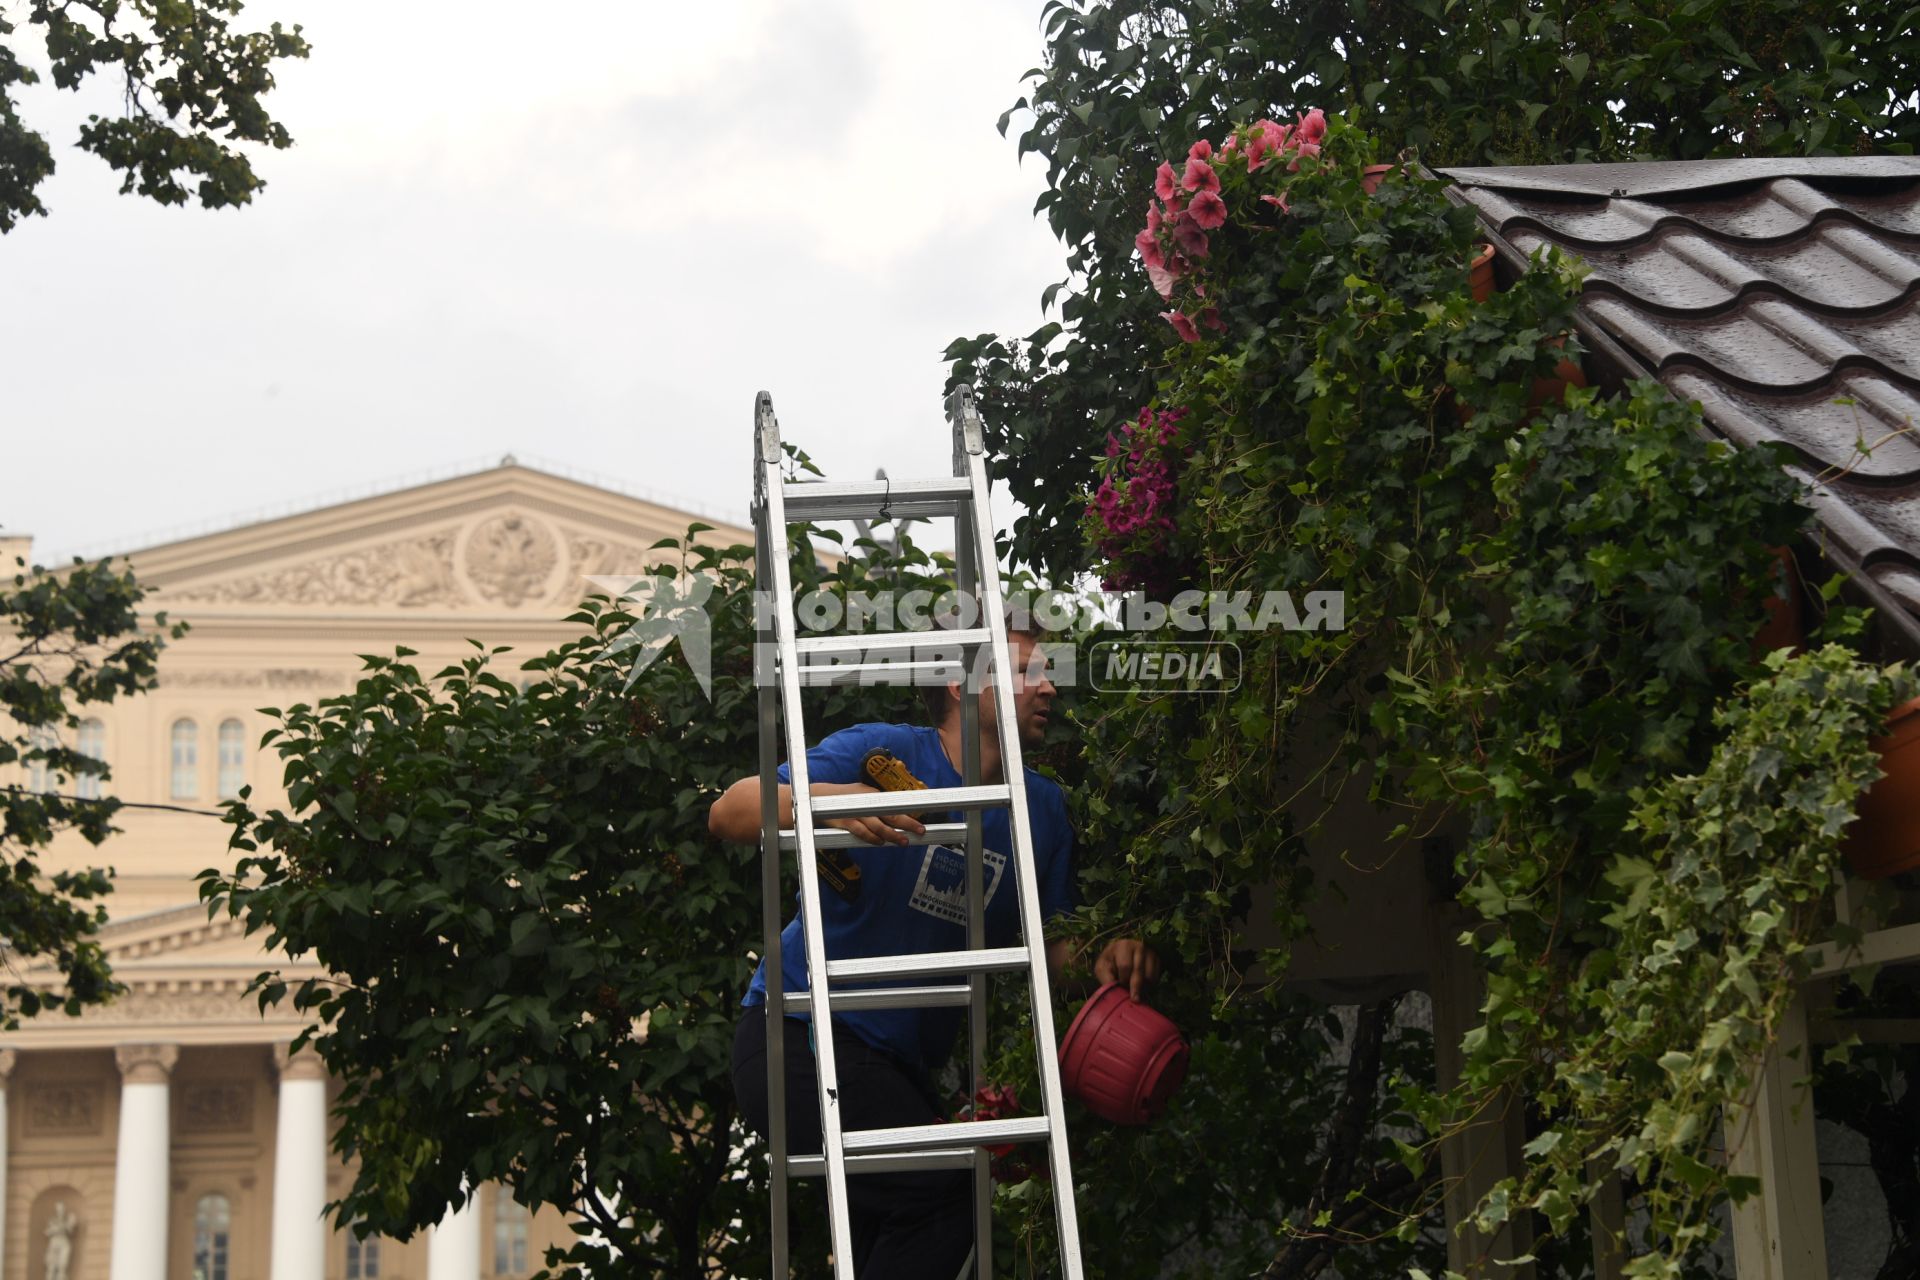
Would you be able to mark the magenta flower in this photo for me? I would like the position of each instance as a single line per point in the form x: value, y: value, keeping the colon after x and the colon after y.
x: 1313, y: 125
x: 1165, y: 181
x: 1200, y: 176
x: 1208, y: 210
x: 1181, y: 325
x: 1306, y: 150
x: 1153, y: 217
x: 1201, y: 150
x: 1279, y: 201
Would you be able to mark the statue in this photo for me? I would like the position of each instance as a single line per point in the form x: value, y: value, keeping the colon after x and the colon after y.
x: 60, y: 1229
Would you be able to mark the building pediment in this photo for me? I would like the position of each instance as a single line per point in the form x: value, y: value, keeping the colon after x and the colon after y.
x: 186, y: 980
x: 507, y: 541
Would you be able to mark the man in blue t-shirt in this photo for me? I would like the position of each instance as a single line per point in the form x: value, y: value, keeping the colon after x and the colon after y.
x: 911, y: 898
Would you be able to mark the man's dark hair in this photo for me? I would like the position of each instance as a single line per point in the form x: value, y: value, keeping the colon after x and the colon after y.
x: 934, y: 696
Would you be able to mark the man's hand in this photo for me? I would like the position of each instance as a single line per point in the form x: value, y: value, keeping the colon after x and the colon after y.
x: 1129, y: 962
x: 889, y: 828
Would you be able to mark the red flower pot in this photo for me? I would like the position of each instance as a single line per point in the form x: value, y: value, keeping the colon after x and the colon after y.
x: 1885, y: 839
x: 1122, y: 1059
x: 1480, y: 273
x: 1373, y: 175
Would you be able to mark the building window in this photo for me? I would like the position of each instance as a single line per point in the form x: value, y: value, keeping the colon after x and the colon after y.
x: 212, y: 1221
x: 39, y: 772
x: 363, y: 1257
x: 93, y: 745
x: 233, y: 759
x: 186, y: 760
x: 509, y: 1235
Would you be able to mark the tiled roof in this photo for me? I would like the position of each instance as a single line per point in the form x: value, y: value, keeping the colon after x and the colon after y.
x: 1783, y: 295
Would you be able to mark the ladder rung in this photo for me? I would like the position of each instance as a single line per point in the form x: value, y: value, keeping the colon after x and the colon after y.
x: 860, y: 804
x: 937, y: 671
x: 954, y: 833
x: 892, y: 1162
x: 875, y: 499
x: 927, y: 964
x: 883, y: 998
x: 890, y: 642
x: 963, y: 1135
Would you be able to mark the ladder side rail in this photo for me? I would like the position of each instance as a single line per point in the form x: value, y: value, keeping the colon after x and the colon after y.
x: 771, y: 907
x: 812, y: 925
x: 1046, y: 1045
x: 967, y: 579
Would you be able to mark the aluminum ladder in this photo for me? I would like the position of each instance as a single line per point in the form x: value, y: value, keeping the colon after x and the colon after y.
x: 950, y: 978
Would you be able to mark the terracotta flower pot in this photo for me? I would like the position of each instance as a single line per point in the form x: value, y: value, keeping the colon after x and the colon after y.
x: 1785, y: 627
x: 1545, y: 391
x: 1122, y: 1059
x: 1885, y: 839
x: 1372, y: 176
x: 1480, y: 273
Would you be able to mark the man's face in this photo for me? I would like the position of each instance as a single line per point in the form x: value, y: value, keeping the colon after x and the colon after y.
x: 1032, y: 691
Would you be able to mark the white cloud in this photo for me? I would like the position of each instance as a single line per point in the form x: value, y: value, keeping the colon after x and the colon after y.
x: 590, y: 233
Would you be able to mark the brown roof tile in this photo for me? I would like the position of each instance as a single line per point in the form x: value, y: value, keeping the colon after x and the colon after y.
x: 1783, y: 295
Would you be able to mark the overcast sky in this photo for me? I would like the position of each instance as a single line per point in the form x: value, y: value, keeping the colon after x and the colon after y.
x: 587, y: 239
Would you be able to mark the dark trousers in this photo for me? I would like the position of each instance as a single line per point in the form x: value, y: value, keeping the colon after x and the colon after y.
x: 906, y: 1226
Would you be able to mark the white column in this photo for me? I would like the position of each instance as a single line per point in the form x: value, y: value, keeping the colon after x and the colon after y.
x: 299, y: 1241
x: 1779, y: 1234
x: 1486, y: 1146
x: 453, y: 1243
x: 141, y: 1175
x: 7, y: 1059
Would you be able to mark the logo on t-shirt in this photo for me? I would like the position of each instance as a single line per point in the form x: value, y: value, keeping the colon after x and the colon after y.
x: 941, y: 890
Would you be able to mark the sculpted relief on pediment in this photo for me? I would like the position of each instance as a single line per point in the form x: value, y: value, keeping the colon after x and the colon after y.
x: 504, y: 559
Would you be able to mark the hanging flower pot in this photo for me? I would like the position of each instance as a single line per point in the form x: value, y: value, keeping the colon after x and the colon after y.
x: 1785, y: 627
x: 1373, y: 175
x: 1480, y: 272
x: 1885, y: 839
x: 1544, y: 391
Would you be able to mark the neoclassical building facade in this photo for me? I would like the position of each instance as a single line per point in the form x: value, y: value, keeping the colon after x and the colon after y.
x: 169, y: 1135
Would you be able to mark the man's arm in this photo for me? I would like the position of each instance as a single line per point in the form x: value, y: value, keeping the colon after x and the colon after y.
x: 1127, y: 961
x: 736, y: 814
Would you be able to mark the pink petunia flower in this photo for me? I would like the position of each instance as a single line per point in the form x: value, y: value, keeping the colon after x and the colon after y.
x: 1279, y: 201
x: 1313, y: 125
x: 1165, y: 181
x: 1208, y: 210
x: 1266, y: 139
x: 1150, y: 251
x: 1201, y: 150
x: 1163, y: 277
x: 1200, y: 177
x: 1305, y: 150
x: 1181, y: 325
x: 1211, y: 319
x: 1191, y: 239
x: 1153, y: 217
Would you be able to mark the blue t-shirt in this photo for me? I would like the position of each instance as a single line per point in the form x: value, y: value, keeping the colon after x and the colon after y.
x: 913, y: 898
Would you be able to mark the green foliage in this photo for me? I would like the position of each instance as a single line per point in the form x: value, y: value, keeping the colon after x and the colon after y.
x: 193, y: 90
x: 67, y: 641
x: 1124, y: 84
x: 1724, y: 883
x: 537, y: 949
x: 1548, y: 663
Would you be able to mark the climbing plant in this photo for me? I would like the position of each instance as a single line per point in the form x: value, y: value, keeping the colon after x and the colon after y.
x: 1549, y: 667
